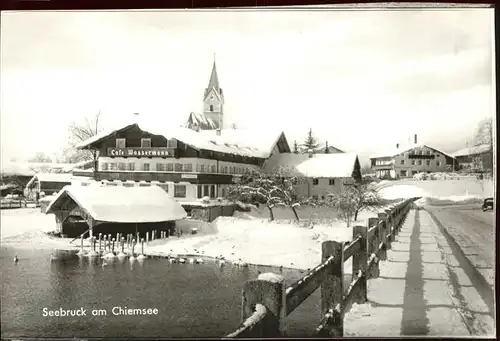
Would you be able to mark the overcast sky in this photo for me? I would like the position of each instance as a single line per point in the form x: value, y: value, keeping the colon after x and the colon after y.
x: 363, y: 80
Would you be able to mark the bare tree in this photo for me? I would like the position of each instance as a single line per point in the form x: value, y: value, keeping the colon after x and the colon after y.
x: 276, y: 188
x: 353, y: 199
x: 41, y: 157
x: 80, y: 132
x: 484, y: 137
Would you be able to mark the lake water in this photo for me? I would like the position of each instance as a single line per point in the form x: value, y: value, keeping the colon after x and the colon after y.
x: 193, y: 300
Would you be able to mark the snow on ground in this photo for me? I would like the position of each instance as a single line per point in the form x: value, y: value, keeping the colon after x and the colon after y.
x: 439, y: 192
x: 254, y: 240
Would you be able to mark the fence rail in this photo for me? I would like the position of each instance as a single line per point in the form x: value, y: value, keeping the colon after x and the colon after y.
x: 266, y: 302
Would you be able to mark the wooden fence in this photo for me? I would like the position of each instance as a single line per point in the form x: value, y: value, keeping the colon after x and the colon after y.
x: 266, y: 302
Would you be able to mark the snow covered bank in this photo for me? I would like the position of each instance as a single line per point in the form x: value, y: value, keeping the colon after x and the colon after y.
x: 253, y: 240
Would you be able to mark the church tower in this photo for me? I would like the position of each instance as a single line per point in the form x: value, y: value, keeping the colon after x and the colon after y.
x: 213, y: 100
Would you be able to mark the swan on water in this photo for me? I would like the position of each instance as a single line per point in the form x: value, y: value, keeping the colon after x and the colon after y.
x: 121, y: 254
x: 241, y: 263
x: 172, y: 260
x: 104, y: 263
x: 132, y: 257
x: 16, y: 259
x: 92, y: 253
x: 192, y: 260
x: 81, y: 253
x: 182, y: 260
x: 221, y: 263
x: 109, y: 255
x: 199, y: 261
x: 142, y: 257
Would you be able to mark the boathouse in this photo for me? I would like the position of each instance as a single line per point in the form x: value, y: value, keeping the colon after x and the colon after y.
x: 95, y: 209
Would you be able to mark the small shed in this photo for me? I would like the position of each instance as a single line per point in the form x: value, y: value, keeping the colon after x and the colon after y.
x: 109, y: 210
x: 47, y: 183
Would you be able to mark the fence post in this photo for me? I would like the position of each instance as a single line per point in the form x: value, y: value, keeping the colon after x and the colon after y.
x: 375, y: 243
x: 389, y: 225
x: 332, y: 287
x: 382, y: 228
x: 267, y: 290
x: 360, y: 261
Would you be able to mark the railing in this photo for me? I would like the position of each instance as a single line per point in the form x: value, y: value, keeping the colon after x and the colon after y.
x: 266, y: 302
x: 13, y: 203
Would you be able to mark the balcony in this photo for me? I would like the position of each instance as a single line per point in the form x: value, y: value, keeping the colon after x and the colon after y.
x: 194, y: 178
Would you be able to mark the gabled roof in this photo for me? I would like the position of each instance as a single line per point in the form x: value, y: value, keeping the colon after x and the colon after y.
x: 231, y: 141
x: 472, y: 150
x: 201, y: 120
x: 397, y: 151
x: 121, y: 204
x: 337, y: 165
x: 51, y: 177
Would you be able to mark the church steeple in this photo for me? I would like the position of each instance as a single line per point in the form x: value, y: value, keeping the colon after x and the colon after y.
x: 213, y: 99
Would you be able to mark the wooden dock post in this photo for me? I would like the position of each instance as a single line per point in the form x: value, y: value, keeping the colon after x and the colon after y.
x: 137, y: 236
x: 133, y: 246
x: 147, y: 237
x: 142, y: 246
x: 100, y: 237
x: 94, y: 242
x: 123, y: 244
x: 117, y: 236
x: 267, y: 290
x: 104, y: 240
x: 109, y: 242
x: 332, y: 287
x: 113, y: 247
x: 360, y: 261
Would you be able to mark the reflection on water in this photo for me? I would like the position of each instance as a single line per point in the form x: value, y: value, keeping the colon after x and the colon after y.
x: 193, y: 300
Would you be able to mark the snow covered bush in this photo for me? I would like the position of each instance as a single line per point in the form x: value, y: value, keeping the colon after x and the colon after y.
x: 352, y: 199
x: 276, y: 188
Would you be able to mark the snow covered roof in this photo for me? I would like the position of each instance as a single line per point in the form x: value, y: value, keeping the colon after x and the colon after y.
x: 232, y: 141
x: 397, y: 151
x: 337, y: 165
x: 200, y: 120
x: 51, y: 177
x: 472, y: 150
x: 122, y: 204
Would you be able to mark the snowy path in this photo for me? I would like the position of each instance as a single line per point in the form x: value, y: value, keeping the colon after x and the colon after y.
x: 420, y: 290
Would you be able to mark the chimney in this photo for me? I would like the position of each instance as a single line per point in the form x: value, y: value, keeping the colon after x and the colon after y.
x: 397, y: 145
x: 415, y: 138
x: 217, y: 132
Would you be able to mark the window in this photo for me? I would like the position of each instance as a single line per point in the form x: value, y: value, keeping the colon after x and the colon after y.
x: 315, y: 181
x: 428, y: 162
x: 172, y: 144
x: 145, y: 167
x: 170, y: 167
x: 178, y: 167
x: 120, y: 143
x: 104, y: 166
x: 112, y: 166
x: 146, y: 143
x: 428, y: 152
x: 211, y: 107
x: 213, y: 169
x: 413, y: 162
x: 202, y: 168
x: 160, y: 167
x: 131, y: 166
x: 188, y: 167
x: 205, y: 191
x: 331, y: 182
x: 438, y: 163
x: 225, y: 169
x: 144, y: 184
x: 128, y: 184
x: 212, y: 191
x: 414, y: 172
x: 403, y: 172
x: 419, y: 162
x: 402, y: 162
x: 179, y: 191
x: 200, y: 192
x: 223, y: 192
x: 122, y: 166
